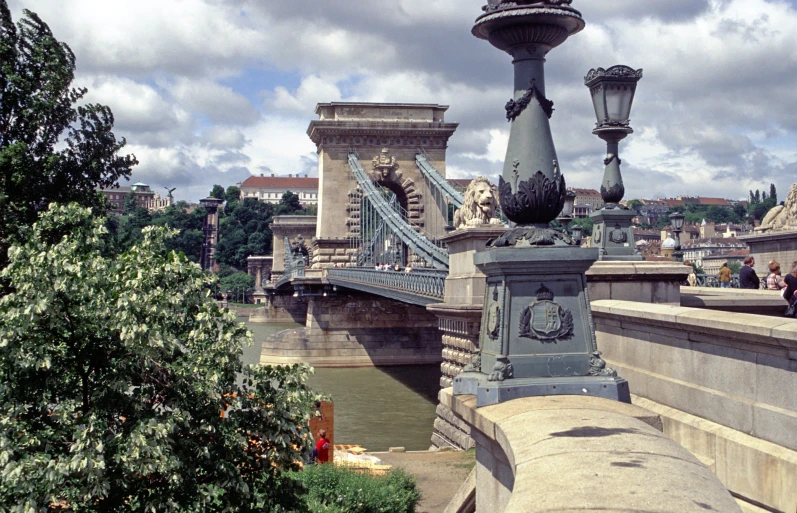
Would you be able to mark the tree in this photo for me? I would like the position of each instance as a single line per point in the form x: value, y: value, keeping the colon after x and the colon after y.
x: 217, y: 192
x: 773, y: 193
x: 735, y: 266
x: 52, y: 147
x: 757, y: 196
x: 233, y: 194
x: 131, y: 203
x: 120, y: 384
x: 290, y: 201
x: 634, y: 204
x: 586, y: 224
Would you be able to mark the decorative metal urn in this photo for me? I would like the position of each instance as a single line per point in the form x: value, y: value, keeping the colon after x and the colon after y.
x: 612, y: 93
x: 537, y: 335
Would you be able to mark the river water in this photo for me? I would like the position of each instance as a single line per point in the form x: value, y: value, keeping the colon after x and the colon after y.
x: 377, y: 408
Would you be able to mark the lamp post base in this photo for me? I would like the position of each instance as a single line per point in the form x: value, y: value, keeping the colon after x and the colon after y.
x: 613, y: 235
x: 489, y: 392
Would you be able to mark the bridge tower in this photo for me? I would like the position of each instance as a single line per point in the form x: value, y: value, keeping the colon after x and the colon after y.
x: 387, y: 137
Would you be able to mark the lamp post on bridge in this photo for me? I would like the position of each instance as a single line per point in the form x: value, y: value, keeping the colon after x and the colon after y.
x: 612, y: 93
x: 537, y: 336
x: 677, y: 222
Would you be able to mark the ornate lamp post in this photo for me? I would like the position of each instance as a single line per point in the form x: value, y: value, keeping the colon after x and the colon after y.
x: 578, y: 234
x: 612, y: 93
x: 566, y: 216
x: 677, y: 222
x: 537, y: 336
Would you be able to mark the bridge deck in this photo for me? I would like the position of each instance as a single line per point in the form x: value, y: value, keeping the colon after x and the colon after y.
x: 422, y: 287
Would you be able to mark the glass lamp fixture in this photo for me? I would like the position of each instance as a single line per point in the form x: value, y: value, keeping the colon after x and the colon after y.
x: 578, y: 233
x: 612, y: 93
x: 677, y: 221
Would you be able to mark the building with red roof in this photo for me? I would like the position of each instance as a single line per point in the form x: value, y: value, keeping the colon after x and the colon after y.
x: 270, y: 189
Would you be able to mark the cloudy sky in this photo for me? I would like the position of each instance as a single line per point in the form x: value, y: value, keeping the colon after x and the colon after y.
x: 211, y: 91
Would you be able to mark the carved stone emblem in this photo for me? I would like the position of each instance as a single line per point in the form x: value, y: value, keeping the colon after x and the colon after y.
x: 546, y: 320
x: 494, y: 316
x: 596, y: 236
x: 618, y: 235
x: 385, y: 167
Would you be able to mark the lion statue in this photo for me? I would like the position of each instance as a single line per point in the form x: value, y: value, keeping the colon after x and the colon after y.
x: 782, y: 217
x: 479, y: 204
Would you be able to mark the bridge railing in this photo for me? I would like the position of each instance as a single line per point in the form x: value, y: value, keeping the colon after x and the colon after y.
x: 713, y: 280
x: 427, y: 283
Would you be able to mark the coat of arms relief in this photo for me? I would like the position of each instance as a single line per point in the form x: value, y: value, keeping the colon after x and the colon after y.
x: 545, y: 320
x: 385, y: 168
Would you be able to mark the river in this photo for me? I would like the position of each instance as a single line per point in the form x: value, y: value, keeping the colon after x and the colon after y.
x: 377, y: 408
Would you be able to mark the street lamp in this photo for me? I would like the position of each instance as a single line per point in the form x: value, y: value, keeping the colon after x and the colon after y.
x: 677, y: 222
x: 537, y: 336
x: 566, y: 216
x: 578, y: 234
x: 612, y: 93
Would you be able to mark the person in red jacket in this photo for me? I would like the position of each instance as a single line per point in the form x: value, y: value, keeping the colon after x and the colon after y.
x: 323, y: 447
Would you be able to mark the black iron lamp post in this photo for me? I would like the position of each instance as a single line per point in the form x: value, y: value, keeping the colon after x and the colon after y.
x: 612, y: 93
x: 677, y: 222
x: 537, y: 336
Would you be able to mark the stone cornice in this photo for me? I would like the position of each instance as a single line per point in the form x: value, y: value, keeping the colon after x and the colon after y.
x: 769, y: 236
x: 347, y: 132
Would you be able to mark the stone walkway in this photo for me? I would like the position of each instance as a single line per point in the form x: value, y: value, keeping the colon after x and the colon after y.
x: 439, y: 474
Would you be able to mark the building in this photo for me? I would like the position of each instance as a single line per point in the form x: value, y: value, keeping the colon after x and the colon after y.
x: 647, y: 235
x: 696, y: 251
x: 270, y: 189
x: 713, y: 263
x: 582, y: 210
x: 589, y: 197
x: 145, y: 197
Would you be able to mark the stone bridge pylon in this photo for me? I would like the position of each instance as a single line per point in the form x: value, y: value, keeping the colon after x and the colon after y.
x: 387, y: 137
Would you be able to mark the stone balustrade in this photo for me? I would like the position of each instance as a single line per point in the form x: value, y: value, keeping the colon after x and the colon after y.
x: 724, y: 384
x: 576, y: 454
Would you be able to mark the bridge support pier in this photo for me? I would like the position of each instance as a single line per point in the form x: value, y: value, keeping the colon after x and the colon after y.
x: 357, y: 330
x: 459, y: 321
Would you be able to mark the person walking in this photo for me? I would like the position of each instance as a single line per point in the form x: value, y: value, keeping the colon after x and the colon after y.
x: 774, y: 280
x: 791, y: 287
x: 748, y: 279
x: 322, y: 447
x: 725, y: 276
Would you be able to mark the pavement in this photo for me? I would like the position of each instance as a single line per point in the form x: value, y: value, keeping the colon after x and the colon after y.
x: 439, y: 474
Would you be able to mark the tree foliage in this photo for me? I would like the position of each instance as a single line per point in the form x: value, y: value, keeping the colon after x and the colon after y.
x: 51, y: 148
x: 115, y: 371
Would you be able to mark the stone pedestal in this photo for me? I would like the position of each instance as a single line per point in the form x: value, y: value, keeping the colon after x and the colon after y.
x: 291, y: 227
x: 613, y: 235
x: 778, y: 246
x: 537, y: 336
x: 329, y: 252
x: 459, y: 318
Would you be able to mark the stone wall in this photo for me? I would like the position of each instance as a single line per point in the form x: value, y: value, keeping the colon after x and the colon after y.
x: 291, y: 227
x: 358, y: 331
x: 724, y: 384
x: 280, y: 309
x: 778, y: 246
x: 574, y: 453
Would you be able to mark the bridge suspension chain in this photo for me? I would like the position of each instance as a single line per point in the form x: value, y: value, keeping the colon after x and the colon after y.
x: 393, y: 217
x: 426, y: 166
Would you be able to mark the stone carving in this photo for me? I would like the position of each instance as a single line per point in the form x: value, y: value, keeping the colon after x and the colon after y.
x: 502, y: 370
x: 515, y: 108
x: 385, y: 167
x: 782, y: 217
x: 620, y: 71
x: 546, y: 320
x: 597, y: 366
x: 618, y: 235
x: 494, y: 316
x: 478, y: 205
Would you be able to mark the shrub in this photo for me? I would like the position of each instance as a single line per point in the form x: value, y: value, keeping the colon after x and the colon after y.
x: 332, y: 489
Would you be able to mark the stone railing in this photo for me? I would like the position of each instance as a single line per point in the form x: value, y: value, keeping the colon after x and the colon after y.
x: 417, y: 287
x: 574, y: 453
x: 723, y: 383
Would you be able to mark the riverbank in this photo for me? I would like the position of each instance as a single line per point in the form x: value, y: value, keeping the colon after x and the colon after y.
x: 439, y: 474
